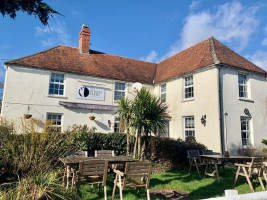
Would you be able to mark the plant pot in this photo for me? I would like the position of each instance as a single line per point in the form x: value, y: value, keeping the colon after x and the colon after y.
x: 226, y: 154
x: 92, y: 117
x: 27, y: 116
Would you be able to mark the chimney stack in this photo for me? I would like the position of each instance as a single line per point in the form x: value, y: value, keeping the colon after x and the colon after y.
x: 84, y: 39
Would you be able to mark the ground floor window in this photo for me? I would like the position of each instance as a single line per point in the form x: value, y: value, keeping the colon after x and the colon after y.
x: 117, y: 125
x: 246, y: 131
x: 55, y: 121
x: 165, y: 132
x: 189, y: 126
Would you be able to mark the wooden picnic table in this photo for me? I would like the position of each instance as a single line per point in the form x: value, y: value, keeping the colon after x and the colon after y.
x: 72, y: 162
x: 216, y: 159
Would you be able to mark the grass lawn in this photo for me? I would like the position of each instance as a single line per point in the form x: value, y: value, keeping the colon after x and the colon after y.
x: 179, y: 181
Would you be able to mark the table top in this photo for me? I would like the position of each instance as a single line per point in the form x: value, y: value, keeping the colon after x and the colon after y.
x: 222, y: 157
x: 76, y: 159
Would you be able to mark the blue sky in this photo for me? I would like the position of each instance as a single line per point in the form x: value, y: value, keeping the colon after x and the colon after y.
x: 150, y: 30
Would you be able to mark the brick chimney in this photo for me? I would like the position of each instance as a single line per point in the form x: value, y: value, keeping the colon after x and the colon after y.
x: 84, y: 39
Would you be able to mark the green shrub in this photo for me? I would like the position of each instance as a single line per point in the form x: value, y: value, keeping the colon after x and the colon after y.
x: 42, y: 186
x: 29, y: 151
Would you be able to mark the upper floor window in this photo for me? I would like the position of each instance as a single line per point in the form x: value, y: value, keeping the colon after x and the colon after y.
x: 119, y: 91
x: 242, y: 84
x: 55, y: 121
x: 188, y: 87
x: 189, y: 126
x: 163, y: 93
x: 56, y: 85
x: 245, y: 131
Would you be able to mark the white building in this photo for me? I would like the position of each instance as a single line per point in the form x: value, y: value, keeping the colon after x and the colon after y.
x: 211, y: 92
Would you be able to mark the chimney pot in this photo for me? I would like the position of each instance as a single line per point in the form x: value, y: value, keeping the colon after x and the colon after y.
x: 84, y: 39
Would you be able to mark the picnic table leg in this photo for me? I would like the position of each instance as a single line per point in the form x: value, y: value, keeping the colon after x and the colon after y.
x: 206, y: 167
x: 197, y: 168
x: 216, y: 171
x: 236, y: 175
x: 191, y: 162
x: 248, y: 180
x: 64, y: 176
x: 68, y: 175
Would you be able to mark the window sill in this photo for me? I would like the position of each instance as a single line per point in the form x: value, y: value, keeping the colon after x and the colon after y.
x: 57, y: 96
x: 189, y: 99
x: 246, y: 100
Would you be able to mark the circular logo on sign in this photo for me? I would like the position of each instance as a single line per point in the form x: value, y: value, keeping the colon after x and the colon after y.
x: 83, y: 91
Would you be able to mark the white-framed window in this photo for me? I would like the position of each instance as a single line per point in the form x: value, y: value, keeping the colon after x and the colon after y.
x: 55, y: 121
x: 246, y: 131
x: 188, y: 87
x: 189, y: 126
x: 242, y: 85
x: 163, y: 93
x: 56, y: 84
x: 117, y: 125
x: 165, y: 133
x: 119, y: 91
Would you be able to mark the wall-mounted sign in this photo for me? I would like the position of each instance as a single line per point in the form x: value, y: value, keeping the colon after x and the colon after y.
x: 90, y: 92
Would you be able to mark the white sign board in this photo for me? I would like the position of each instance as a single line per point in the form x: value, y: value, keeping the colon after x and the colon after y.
x: 90, y: 92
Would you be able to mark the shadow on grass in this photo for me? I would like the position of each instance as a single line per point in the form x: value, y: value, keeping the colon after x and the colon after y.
x: 180, y: 181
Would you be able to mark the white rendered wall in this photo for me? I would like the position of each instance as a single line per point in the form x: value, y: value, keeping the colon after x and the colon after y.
x: 234, y: 107
x: 205, y: 102
x: 29, y: 87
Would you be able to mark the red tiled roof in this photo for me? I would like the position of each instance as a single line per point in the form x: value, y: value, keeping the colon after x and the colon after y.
x: 68, y: 59
x: 203, y: 54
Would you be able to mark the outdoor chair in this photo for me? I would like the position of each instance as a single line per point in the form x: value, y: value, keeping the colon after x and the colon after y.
x: 104, y: 153
x: 194, y: 160
x: 264, y: 171
x: 69, y: 172
x: 93, y: 172
x: 137, y: 174
x: 255, y: 167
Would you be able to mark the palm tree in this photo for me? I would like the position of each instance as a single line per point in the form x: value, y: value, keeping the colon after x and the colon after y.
x: 148, y: 115
x: 125, y: 113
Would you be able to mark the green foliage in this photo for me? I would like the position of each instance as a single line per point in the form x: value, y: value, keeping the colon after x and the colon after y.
x: 30, y: 151
x: 85, y: 138
x: 148, y: 112
x: 38, y: 186
x: 264, y: 141
x: 32, y: 7
x: 161, y: 150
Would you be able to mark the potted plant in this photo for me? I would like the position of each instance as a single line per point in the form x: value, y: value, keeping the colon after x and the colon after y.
x: 92, y: 117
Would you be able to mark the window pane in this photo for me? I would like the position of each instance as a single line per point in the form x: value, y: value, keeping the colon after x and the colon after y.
x: 56, y: 85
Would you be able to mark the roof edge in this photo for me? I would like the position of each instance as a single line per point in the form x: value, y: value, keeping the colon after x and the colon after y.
x: 213, y: 51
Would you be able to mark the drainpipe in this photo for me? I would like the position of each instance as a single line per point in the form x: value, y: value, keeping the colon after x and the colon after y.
x: 221, y: 113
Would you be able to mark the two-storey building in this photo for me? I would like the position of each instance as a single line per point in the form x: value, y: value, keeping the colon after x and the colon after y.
x: 212, y: 92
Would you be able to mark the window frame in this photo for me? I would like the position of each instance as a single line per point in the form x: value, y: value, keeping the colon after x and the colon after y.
x: 119, y: 90
x: 192, y: 129
x: 243, y: 85
x: 60, y: 127
x: 186, y: 87
x: 56, y: 83
x: 167, y: 128
x: 163, y: 93
x: 246, y: 141
x: 116, y: 125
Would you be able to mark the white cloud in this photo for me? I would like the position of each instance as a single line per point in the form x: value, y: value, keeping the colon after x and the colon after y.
x: 230, y: 23
x: 195, y: 4
x: 264, y: 42
x: 152, y: 57
x: 56, y: 33
x: 259, y: 58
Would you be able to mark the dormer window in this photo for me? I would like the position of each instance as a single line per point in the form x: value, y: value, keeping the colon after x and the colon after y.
x: 56, y: 85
